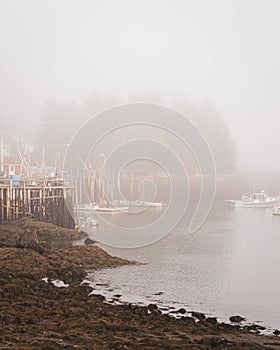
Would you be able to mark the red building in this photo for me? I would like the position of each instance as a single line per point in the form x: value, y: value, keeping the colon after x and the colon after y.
x: 12, y: 169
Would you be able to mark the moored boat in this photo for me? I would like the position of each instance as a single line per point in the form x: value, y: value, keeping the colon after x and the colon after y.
x: 276, y: 210
x: 96, y: 208
x: 87, y: 222
x: 138, y: 204
x: 110, y: 209
x: 254, y: 200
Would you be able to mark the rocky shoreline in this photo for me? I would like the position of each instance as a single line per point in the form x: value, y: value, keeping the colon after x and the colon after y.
x: 36, y: 258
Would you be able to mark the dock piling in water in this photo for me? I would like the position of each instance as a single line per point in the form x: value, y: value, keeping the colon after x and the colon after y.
x: 43, y: 201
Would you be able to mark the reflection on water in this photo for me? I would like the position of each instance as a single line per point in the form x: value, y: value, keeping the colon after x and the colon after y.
x: 231, y: 266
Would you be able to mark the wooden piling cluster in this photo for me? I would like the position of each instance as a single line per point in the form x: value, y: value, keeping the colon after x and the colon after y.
x: 42, y: 201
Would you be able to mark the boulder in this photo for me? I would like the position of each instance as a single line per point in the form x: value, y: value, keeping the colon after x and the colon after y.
x: 211, y: 321
x: 254, y: 328
x: 89, y: 241
x: 213, y: 341
x: 198, y: 315
x: 152, y: 307
x: 117, y: 296
x: 182, y: 311
x: 236, y: 319
x: 27, y: 238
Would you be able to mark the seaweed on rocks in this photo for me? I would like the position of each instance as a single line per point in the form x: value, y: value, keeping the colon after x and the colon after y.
x: 36, y: 314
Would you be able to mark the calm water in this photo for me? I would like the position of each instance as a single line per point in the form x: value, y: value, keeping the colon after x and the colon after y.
x: 231, y: 266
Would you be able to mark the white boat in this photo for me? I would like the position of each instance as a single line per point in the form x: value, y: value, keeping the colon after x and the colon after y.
x: 86, y: 207
x: 87, y: 222
x: 110, y: 209
x: 136, y: 203
x: 254, y: 200
x: 276, y: 210
x: 96, y: 208
x: 141, y: 204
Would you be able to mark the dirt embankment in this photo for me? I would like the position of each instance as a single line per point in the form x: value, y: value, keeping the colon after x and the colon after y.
x: 36, y: 314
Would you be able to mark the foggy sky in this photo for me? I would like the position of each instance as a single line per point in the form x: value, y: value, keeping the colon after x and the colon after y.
x: 228, y: 51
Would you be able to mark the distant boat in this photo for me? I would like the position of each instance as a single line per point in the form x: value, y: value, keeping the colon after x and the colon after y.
x: 276, y: 210
x: 97, y: 208
x: 140, y: 204
x: 86, y: 207
x: 254, y: 200
x: 110, y: 209
x: 87, y: 222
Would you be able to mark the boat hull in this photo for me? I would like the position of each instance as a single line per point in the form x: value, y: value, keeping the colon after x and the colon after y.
x: 140, y: 204
x: 257, y: 204
x: 110, y: 209
x: 96, y: 208
x: 276, y: 212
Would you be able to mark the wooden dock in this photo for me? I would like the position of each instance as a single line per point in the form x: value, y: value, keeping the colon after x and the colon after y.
x: 43, y: 200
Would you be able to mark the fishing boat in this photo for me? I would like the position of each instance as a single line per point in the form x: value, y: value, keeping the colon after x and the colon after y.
x: 254, y: 200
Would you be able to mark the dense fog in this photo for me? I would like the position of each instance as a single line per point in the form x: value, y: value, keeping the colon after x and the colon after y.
x: 217, y: 62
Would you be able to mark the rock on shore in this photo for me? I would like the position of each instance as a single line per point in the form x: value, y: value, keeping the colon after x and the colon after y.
x: 36, y: 314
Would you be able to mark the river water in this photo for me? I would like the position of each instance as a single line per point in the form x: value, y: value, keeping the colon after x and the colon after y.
x: 231, y: 266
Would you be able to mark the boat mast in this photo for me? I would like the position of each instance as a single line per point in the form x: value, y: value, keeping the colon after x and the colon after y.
x: 2, y: 153
x: 131, y: 188
x: 112, y: 184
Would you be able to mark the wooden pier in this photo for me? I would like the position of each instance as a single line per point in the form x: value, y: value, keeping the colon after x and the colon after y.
x: 43, y: 200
